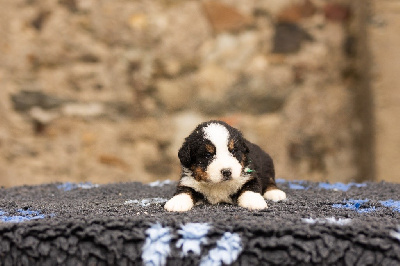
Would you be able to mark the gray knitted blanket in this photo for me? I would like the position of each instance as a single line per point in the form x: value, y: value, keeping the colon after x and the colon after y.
x: 125, y: 224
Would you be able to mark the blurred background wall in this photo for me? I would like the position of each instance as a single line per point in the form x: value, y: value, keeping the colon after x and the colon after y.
x: 106, y: 91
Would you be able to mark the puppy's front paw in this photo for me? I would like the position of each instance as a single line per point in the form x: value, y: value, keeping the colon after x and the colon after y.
x: 252, y: 201
x: 275, y: 195
x: 179, y: 203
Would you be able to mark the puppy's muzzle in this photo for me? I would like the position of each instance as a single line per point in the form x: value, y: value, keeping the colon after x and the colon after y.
x: 226, y: 174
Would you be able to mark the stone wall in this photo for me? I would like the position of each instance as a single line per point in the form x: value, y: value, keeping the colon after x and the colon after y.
x: 106, y: 91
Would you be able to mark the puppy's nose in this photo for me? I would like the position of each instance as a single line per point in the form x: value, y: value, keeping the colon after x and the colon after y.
x: 226, y: 173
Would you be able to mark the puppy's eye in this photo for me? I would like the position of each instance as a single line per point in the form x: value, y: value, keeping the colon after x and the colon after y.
x: 234, y: 150
x: 209, y: 155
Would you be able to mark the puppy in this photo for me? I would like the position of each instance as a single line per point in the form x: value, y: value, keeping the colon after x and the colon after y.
x: 220, y: 165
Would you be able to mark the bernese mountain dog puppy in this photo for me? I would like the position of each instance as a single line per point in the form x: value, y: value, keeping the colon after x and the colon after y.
x: 220, y: 165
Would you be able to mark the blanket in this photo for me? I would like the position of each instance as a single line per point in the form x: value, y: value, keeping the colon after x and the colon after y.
x: 126, y: 224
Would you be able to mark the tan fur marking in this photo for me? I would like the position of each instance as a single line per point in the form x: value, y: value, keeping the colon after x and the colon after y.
x: 231, y: 145
x: 199, y: 174
x: 243, y: 160
x: 210, y: 148
x: 271, y: 186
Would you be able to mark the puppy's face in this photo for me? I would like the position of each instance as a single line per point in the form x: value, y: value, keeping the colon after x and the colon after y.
x: 214, y: 152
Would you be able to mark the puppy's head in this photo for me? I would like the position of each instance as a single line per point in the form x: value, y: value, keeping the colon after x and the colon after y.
x: 214, y: 152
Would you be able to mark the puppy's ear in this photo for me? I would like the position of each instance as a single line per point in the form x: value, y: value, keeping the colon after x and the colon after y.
x: 185, y: 154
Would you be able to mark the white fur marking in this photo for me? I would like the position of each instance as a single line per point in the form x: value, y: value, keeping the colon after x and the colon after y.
x: 219, y: 136
x: 252, y: 201
x: 275, y: 195
x: 214, y: 192
x: 179, y: 203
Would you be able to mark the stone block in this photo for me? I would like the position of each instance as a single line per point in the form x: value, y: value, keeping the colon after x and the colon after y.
x: 223, y: 17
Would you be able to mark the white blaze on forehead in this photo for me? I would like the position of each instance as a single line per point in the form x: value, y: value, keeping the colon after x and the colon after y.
x: 218, y: 135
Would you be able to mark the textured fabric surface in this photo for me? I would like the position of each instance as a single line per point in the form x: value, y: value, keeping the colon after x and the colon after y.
x: 125, y: 224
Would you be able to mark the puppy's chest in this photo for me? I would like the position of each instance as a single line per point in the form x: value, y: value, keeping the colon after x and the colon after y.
x: 216, y: 192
